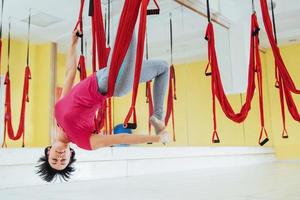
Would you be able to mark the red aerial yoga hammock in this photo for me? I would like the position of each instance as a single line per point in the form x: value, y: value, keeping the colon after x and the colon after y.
x: 25, y: 98
x: 284, y: 81
x: 125, y: 31
x: 217, y: 87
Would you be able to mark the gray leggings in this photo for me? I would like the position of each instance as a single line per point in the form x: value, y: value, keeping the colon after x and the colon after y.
x: 151, y: 69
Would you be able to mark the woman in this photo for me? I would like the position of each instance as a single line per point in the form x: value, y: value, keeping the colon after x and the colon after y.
x: 76, y: 109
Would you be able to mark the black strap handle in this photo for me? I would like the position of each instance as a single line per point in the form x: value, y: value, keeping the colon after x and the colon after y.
x: 91, y: 8
x: 262, y: 143
x: 78, y: 34
x: 256, y: 31
x: 208, y: 11
x: 253, y: 6
x: 171, y: 37
x: 155, y: 11
x: 207, y: 73
x: 130, y: 126
x: 216, y: 141
x: 273, y: 20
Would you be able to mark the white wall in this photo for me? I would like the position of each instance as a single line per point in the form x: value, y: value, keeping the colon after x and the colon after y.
x: 223, y: 47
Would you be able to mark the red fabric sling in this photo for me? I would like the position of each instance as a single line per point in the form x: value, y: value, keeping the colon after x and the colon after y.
x: 8, y: 114
x: 283, y: 79
x: 98, y: 33
x: 125, y: 30
x: 217, y: 87
x: 138, y: 66
x: 25, y: 98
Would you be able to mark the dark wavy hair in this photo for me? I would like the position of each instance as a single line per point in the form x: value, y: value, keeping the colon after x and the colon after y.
x: 47, y: 173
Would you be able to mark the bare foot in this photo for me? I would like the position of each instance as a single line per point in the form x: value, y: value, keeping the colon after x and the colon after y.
x: 158, y: 125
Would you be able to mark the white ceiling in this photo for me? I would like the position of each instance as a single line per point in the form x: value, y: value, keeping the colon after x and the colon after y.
x: 189, y: 27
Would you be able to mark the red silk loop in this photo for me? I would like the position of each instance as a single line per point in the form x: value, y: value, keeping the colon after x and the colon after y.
x: 284, y: 80
x: 79, y: 21
x: 216, y: 82
x: 8, y: 127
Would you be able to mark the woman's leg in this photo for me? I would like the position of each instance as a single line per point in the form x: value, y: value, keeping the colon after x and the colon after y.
x: 151, y: 69
x: 159, y: 71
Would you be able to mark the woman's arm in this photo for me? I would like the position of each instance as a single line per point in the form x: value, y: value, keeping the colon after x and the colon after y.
x: 71, y: 65
x: 98, y: 141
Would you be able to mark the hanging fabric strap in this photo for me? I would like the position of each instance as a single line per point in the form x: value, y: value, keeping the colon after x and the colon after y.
x: 138, y: 67
x: 207, y: 72
x: 287, y: 80
x: 79, y: 25
x: 216, y: 83
x: 284, y: 82
x: 98, y: 33
x: 275, y: 36
x: 25, y: 98
x: 278, y: 78
x: 124, y: 34
x: 103, y: 118
x: 263, y: 137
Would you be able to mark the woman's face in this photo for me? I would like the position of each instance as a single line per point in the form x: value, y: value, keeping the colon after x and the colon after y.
x: 59, y: 156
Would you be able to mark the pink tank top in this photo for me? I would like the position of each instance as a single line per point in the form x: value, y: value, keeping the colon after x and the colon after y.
x: 75, y: 112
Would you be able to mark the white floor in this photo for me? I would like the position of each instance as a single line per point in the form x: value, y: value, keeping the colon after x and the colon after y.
x: 278, y: 180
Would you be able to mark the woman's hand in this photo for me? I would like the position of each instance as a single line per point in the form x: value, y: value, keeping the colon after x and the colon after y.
x: 74, y: 39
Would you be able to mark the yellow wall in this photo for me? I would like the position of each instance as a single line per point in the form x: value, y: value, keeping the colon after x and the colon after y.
x: 285, y: 148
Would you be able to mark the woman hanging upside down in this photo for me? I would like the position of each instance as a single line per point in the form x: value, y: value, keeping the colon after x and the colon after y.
x: 76, y: 109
